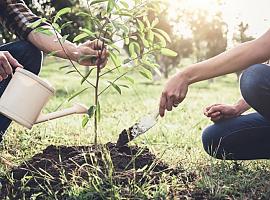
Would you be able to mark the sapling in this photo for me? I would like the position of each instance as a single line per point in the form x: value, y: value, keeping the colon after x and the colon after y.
x: 119, y: 25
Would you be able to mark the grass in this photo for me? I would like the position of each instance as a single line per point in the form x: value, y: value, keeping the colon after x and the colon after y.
x: 176, y: 139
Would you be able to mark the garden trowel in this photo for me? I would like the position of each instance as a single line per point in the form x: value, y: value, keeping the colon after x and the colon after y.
x: 137, y: 129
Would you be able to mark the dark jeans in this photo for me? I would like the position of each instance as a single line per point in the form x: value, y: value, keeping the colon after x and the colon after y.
x: 28, y: 56
x: 246, y: 137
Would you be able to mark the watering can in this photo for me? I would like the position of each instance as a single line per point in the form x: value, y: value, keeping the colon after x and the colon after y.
x: 25, y: 97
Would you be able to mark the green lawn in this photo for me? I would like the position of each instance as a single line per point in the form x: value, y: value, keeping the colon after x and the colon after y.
x: 176, y: 139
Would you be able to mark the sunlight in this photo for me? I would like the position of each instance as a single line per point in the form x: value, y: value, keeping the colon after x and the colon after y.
x: 211, y: 6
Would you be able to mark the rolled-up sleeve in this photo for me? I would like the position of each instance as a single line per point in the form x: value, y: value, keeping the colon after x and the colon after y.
x: 17, y: 17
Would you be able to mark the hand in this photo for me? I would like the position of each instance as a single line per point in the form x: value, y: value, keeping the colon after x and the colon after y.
x: 217, y: 112
x: 174, y: 93
x: 7, y: 64
x: 92, y: 53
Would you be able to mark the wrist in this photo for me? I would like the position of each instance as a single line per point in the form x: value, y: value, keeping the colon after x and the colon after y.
x: 186, y: 76
x: 242, y: 106
x: 72, y: 51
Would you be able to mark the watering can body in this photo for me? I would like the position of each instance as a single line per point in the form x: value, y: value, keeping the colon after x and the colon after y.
x: 25, y: 97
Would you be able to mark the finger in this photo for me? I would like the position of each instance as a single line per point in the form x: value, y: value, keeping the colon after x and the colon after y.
x: 170, y: 102
x: 104, y: 54
x: 215, y: 109
x: 162, y: 105
x: 1, y: 79
x: 215, y: 119
x: 216, y: 114
x: 2, y: 72
x: 209, y: 107
x: 6, y: 67
x: 104, y: 63
x: 95, y: 44
x: 13, y: 62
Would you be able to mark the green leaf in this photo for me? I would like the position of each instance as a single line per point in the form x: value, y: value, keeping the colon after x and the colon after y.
x: 44, y: 31
x: 163, y: 42
x: 144, y: 41
x: 64, y: 38
x: 97, y: 1
x: 164, y: 34
x: 115, y: 59
x: 89, y: 32
x: 56, y: 27
x: 168, y: 52
x: 125, y: 4
x: 126, y: 40
x: 85, y: 121
x: 146, y: 20
x: 91, y: 111
x: 78, y: 93
x: 116, y: 87
x: 131, y: 49
x: 87, y: 75
x: 61, y: 12
x: 66, y: 24
x: 80, y: 37
x: 125, y: 86
x: 147, y: 74
x: 110, y: 6
x: 141, y: 25
x: 131, y: 80
x: 83, y: 14
x: 71, y: 71
x: 63, y: 67
x: 157, y: 71
x: 35, y: 24
x: 150, y: 36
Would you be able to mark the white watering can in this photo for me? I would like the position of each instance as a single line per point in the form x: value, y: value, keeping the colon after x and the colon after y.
x: 26, y: 95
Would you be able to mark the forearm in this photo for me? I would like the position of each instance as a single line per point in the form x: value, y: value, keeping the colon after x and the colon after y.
x: 50, y: 43
x: 236, y: 59
x: 241, y: 106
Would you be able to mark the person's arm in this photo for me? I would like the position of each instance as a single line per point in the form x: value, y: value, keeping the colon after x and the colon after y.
x: 236, y: 59
x: 18, y: 18
x: 87, y: 54
x: 217, y: 112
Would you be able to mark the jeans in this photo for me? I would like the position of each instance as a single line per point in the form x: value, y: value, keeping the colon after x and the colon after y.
x: 246, y: 137
x: 28, y: 56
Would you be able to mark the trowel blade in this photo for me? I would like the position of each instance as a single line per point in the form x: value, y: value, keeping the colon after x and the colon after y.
x: 137, y: 129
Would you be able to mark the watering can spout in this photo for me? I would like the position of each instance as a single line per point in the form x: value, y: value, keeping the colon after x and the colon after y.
x: 75, y: 109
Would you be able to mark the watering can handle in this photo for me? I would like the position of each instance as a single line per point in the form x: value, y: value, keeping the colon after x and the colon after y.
x: 75, y: 109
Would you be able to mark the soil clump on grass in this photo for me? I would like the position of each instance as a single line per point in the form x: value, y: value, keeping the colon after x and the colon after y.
x: 54, y: 170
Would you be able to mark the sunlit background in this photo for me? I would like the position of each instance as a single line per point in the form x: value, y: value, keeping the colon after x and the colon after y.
x: 255, y: 13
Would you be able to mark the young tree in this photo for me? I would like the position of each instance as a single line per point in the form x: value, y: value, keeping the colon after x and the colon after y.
x: 116, y: 23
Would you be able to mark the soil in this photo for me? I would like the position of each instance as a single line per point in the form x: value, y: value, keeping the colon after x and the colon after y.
x: 125, y: 137
x: 45, y: 171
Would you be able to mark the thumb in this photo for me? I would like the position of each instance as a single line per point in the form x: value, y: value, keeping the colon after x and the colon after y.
x: 12, y: 61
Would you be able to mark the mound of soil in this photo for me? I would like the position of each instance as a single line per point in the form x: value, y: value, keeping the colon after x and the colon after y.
x: 57, y: 167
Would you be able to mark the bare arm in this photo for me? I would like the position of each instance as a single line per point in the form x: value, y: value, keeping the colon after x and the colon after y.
x: 236, y: 59
x: 82, y: 54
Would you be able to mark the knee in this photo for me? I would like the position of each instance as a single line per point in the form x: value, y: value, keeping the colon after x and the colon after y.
x: 33, y: 57
x: 211, y: 140
x: 254, y: 82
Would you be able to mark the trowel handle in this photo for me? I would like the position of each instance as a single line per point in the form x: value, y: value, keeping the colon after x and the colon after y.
x: 75, y: 109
